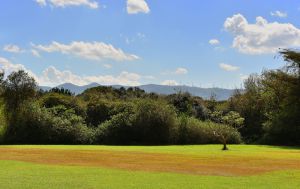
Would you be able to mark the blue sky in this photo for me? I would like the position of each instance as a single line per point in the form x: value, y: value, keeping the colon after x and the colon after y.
x: 213, y: 43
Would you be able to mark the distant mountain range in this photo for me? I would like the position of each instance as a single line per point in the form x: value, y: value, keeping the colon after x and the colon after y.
x: 221, y: 94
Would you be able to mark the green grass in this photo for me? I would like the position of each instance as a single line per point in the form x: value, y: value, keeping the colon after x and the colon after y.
x: 26, y: 175
x: 21, y: 175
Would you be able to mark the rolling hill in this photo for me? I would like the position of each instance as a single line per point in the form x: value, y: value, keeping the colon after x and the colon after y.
x: 221, y: 94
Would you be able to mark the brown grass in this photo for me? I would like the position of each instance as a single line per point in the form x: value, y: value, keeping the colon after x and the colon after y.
x: 188, y: 164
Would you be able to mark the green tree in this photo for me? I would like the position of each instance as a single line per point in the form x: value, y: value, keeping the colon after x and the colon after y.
x: 250, y: 104
x: 18, y: 87
x: 233, y: 119
x: 98, y: 112
x: 1, y: 81
x: 223, y: 134
x: 282, y: 92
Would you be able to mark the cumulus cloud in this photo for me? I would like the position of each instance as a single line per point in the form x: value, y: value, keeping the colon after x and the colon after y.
x: 42, y: 3
x: 9, y: 67
x: 279, y: 14
x: 51, y: 76
x: 12, y: 48
x: 137, y: 6
x: 181, y: 71
x: 261, y: 37
x: 66, y: 3
x: 86, y: 50
x: 214, y: 42
x: 170, y: 82
x: 228, y: 67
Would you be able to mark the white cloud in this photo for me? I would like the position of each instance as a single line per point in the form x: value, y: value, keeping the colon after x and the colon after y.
x: 42, y: 3
x: 52, y: 76
x: 181, y: 71
x: 9, y: 67
x: 243, y: 77
x: 66, y: 3
x: 91, y: 51
x: 228, y: 67
x: 178, y: 71
x: 170, y: 82
x: 12, y: 48
x: 35, y: 53
x: 214, y: 42
x: 261, y: 37
x: 279, y: 14
x: 137, y: 6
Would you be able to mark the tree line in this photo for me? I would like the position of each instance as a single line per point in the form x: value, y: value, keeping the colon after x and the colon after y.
x: 265, y: 111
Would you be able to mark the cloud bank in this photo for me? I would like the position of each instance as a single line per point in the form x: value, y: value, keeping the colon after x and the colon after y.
x: 92, y: 51
x: 261, y: 37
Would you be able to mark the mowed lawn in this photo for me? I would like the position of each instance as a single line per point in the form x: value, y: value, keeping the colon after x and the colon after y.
x: 200, y: 166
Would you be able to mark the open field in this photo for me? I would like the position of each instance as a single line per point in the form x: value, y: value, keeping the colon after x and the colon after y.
x: 203, y: 166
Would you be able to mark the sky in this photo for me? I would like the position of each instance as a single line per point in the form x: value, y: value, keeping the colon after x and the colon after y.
x: 207, y: 43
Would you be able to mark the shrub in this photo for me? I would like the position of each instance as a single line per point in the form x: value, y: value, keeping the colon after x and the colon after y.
x: 2, y: 121
x: 118, y: 130
x: 57, y: 125
x: 98, y: 112
x: 50, y: 100
x: 194, y: 131
x: 143, y: 122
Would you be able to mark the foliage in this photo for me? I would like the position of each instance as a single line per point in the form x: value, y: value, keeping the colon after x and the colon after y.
x: 56, y: 125
x: 18, y: 87
x: 98, y: 112
x: 267, y: 110
x: 61, y: 91
x: 187, y: 104
x: 3, y: 125
x: 52, y: 99
x: 144, y: 122
x: 194, y: 131
x: 1, y: 82
x: 250, y: 105
x: 271, y: 103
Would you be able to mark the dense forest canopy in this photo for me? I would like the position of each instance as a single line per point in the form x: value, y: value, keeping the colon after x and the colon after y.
x: 267, y: 110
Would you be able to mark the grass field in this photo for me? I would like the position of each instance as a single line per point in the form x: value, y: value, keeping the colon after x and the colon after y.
x: 205, y: 166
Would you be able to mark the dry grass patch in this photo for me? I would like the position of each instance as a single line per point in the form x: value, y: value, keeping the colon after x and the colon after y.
x: 226, y: 165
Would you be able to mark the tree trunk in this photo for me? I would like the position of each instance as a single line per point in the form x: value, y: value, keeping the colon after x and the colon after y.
x: 225, y: 146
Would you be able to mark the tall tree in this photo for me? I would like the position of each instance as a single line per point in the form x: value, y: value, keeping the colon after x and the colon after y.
x: 1, y: 81
x: 282, y: 92
x: 18, y: 87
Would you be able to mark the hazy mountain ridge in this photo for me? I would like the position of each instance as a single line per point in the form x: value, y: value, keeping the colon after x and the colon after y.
x: 221, y: 94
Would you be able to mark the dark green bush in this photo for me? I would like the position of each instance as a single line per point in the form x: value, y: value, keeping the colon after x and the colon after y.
x: 56, y: 125
x: 50, y: 100
x: 98, y: 112
x: 193, y: 131
x: 143, y: 122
